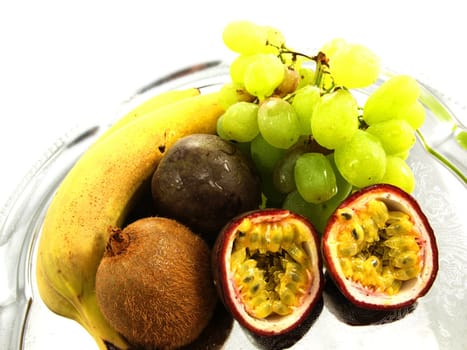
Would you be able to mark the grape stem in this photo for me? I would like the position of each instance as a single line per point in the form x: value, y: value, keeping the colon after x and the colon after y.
x: 294, y: 54
x: 322, y: 64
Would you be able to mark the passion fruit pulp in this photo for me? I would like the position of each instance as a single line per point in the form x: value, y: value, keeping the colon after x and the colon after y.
x: 380, y: 249
x: 268, y: 270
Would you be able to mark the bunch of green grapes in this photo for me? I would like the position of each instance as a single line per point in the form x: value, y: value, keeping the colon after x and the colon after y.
x: 377, y: 153
x: 298, y: 119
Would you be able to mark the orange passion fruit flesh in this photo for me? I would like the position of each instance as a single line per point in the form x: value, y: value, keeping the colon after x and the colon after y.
x: 381, y: 250
x: 273, y: 266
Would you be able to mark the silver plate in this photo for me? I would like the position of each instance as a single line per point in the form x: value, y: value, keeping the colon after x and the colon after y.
x: 438, y: 321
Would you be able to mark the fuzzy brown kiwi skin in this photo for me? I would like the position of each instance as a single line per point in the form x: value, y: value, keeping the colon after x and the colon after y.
x: 154, y: 283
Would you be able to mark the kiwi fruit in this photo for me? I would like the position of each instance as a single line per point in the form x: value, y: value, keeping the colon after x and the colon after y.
x: 154, y: 283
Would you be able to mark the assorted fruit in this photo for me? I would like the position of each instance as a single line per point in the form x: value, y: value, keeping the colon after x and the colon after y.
x: 97, y: 194
x: 256, y: 189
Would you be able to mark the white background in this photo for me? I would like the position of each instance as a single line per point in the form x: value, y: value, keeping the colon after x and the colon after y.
x: 68, y: 62
x: 64, y: 63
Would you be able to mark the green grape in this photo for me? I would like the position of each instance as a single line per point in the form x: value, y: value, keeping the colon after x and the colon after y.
x: 354, y: 66
x: 274, y: 198
x: 289, y: 83
x: 399, y: 173
x: 306, y: 77
x: 283, y: 175
x: 319, y: 214
x: 297, y: 62
x: 327, y: 82
x: 304, y: 101
x: 331, y: 47
x: 343, y: 187
x: 231, y: 93
x: 396, y: 135
x: 240, y: 122
x: 264, y: 155
x: 414, y: 114
x: 265, y: 158
x: 274, y: 36
x: 263, y: 75
x: 220, y: 130
x: 390, y: 99
x: 314, y: 177
x: 245, y: 37
x: 402, y: 155
x: 335, y: 119
x: 239, y: 66
x: 244, y: 147
x: 362, y: 160
x: 278, y: 122
x: 323, y: 211
x: 404, y: 88
x: 295, y: 202
x: 275, y: 40
x: 290, y: 59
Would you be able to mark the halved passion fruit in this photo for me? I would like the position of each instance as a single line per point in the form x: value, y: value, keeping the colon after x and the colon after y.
x: 380, y: 249
x: 268, y: 270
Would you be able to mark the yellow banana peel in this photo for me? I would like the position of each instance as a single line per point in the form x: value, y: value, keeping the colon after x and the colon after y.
x: 158, y: 101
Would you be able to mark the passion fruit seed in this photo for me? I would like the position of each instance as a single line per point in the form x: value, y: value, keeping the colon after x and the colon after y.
x: 271, y: 266
x: 378, y: 247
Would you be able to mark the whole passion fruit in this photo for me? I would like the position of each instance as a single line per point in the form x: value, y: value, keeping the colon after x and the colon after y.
x: 204, y: 181
x: 268, y: 270
x: 380, y: 249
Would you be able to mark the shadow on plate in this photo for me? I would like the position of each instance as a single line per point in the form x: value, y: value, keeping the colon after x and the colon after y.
x: 212, y: 338
x: 216, y: 333
x: 287, y: 340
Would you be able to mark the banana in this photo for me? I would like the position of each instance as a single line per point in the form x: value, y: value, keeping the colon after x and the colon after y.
x: 96, y: 195
x: 160, y: 100
x: 59, y: 304
x: 53, y: 299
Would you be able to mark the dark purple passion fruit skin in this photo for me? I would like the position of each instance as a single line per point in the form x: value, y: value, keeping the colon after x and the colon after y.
x: 222, y: 278
x: 203, y: 181
x: 384, y: 190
